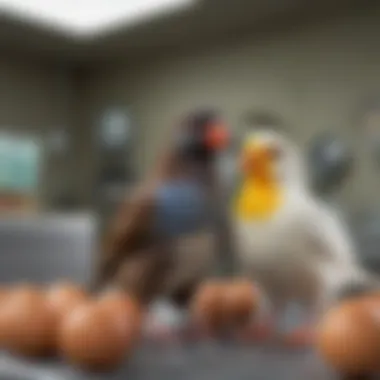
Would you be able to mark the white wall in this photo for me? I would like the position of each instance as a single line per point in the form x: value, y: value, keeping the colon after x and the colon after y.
x: 315, y: 76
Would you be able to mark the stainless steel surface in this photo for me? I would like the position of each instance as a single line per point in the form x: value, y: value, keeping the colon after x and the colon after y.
x: 206, y: 361
x: 46, y: 248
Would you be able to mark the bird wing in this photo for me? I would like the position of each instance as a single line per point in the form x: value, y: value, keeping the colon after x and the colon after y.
x: 334, y: 254
x: 131, y: 228
x: 127, y: 233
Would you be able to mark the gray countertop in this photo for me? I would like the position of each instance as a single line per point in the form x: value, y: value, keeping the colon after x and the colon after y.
x: 203, y: 361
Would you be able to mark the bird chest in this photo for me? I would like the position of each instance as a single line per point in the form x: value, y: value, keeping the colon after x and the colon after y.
x: 257, y: 201
x: 181, y: 208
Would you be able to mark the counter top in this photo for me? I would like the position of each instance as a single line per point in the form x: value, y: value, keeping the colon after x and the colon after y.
x: 200, y: 362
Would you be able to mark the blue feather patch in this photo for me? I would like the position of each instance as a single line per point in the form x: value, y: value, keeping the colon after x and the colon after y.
x: 181, y: 208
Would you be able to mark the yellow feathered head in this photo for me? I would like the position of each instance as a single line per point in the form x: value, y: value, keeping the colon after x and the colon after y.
x: 270, y: 165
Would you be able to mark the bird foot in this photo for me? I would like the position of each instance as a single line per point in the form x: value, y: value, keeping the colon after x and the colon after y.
x: 160, y: 335
x: 259, y: 332
x: 301, y: 337
x: 187, y: 334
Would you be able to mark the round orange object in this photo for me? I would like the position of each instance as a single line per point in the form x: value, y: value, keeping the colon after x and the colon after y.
x: 3, y: 293
x: 27, y: 324
x: 208, y: 305
x: 126, y: 311
x: 3, y: 297
x: 89, y: 338
x: 64, y: 297
x: 373, y: 298
x: 241, y: 301
x: 348, y: 337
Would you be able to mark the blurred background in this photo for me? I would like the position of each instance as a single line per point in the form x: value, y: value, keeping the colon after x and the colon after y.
x: 89, y: 91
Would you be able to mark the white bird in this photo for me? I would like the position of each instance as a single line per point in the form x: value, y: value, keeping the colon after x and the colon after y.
x: 294, y: 246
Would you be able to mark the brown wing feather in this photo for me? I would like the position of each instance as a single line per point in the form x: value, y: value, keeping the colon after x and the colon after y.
x: 127, y: 234
x: 130, y: 231
x: 143, y: 275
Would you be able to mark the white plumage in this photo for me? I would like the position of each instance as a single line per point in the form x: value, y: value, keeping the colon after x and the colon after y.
x: 301, y: 252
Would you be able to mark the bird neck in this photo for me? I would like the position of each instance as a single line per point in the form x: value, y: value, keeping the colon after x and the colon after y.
x: 172, y: 166
x: 258, y: 199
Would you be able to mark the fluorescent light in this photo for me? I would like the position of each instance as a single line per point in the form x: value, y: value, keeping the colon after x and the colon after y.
x: 85, y: 18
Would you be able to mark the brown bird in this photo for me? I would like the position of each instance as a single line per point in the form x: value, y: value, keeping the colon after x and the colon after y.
x: 164, y: 239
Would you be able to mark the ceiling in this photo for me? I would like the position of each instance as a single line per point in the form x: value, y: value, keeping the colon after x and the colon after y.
x: 86, y: 19
x: 210, y: 20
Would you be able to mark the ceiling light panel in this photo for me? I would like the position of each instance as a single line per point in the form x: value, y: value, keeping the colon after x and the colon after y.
x: 86, y: 18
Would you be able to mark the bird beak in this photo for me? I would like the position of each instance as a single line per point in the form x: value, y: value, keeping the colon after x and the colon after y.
x: 217, y: 137
x: 255, y: 160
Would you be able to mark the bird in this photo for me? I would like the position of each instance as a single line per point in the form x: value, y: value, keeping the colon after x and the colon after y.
x: 167, y: 236
x: 291, y: 243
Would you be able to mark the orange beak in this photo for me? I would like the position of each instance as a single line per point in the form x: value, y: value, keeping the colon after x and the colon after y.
x: 256, y: 161
x: 217, y: 137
